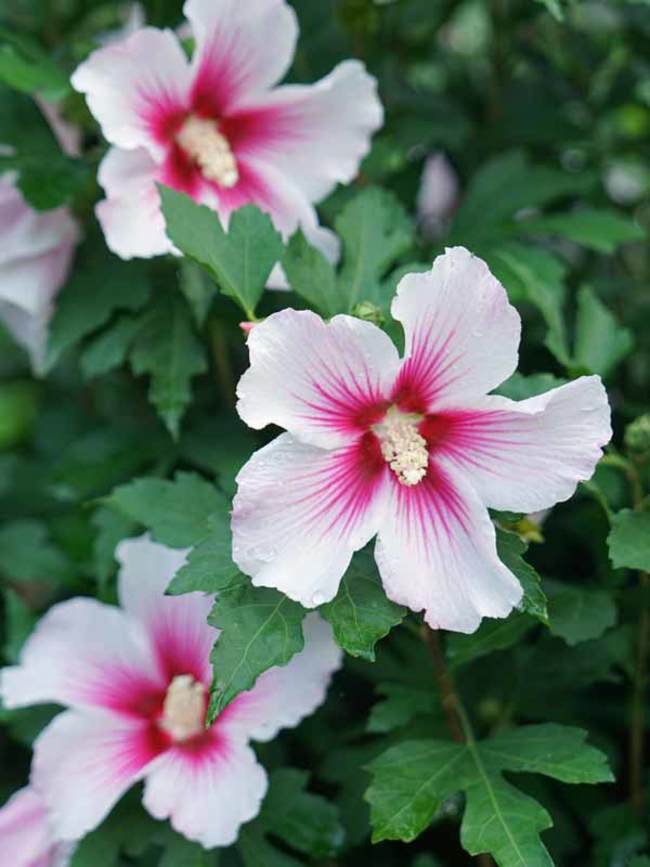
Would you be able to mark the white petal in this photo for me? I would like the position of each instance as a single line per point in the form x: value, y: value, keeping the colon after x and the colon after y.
x: 299, y: 514
x: 438, y: 192
x: 315, y: 379
x: 241, y: 48
x: 176, y: 625
x: 86, y: 654
x: 26, y: 836
x: 134, y: 86
x: 130, y: 216
x: 283, y: 696
x: 84, y: 761
x: 209, y: 793
x: 436, y: 550
x: 461, y: 333
x: 317, y: 135
x: 528, y: 455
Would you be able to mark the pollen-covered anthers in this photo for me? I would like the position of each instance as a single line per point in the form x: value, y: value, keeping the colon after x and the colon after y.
x: 403, y: 447
x: 184, y: 708
x: 201, y: 140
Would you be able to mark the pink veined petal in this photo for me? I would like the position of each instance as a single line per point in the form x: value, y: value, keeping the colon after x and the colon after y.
x: 138, y: 89
x: 315, y: 135
x: 436, y: 551
x: 85, y: 654
x: 323, y: 382
x: 130, y: 216
x: 462, y: 335
x: 25, y: 833
x: 300, y: 512
x: 241, y: 49
x: 528, y: 455
x: 176, y: 625
x: 84, y: 761
x: 208, y: 789
x: 283, y: 696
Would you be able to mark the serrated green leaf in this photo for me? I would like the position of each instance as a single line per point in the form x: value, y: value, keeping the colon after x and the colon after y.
x: 491, y: 635
x: 260, y: 628
x: 240, y: 260
x: 401, y: 704
x: 410, y: 781
x: 312, y: 276
x: 97, y: 289
x: 306, y: 822
x: 167, y: 348
x: 601, y: 343
x: 110, y: 348
x: 178, y: 512
x: 600, y: 230
x: 510, y: 549
x: 578, y: 614
x: 375, y: 230
x: 629, y: 540
x: 209, y: 567
x: 360, y: 614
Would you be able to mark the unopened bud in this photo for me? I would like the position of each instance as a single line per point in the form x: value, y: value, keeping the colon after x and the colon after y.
x: 637, y: 435
x: 369, y: 312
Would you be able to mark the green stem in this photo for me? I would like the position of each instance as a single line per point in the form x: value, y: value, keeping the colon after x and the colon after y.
x: 637, y: 728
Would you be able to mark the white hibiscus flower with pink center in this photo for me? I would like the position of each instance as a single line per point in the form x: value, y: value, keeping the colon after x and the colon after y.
x: 413, y: 450
x: 217, y: 128
x: 26, y: 836
x: 135, y: 681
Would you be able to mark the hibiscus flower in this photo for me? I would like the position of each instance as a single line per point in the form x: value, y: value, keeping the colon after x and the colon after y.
x: 26, y: 835
x: 135, y: 681
x: 217, y: 128
x: 414, y: 450
x: 36, y: 249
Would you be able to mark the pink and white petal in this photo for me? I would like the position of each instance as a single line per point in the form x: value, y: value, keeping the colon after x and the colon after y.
x: 315, y: 134
x: 137, y: 88
x: 27, y: 233
x: 130, y: 216
x: 26, y: 836
x: 300, y: 512
x: 84, y: 761
x: 324, y: 382
x: 207, y: 791
x: 283, y: 696
x: 242, y: 49
x: 528, y: 455
x: 85, y: 654
x: 462, y: 335
x: 176, y: 625
x: 436, y: 550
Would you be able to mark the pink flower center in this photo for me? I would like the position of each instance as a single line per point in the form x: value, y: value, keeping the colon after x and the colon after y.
x: 184, y: 708
x: 200, y: 139
x: 402, y: 445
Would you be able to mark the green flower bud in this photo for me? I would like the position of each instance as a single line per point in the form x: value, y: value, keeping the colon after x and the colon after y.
x: 368, y: 311
x: 637, y: 435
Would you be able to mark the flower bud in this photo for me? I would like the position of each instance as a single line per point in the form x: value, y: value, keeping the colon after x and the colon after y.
x: 637, y: 435
x: 369, y: 312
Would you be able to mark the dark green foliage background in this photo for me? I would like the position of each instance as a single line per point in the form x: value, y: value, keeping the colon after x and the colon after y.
x: 538, y: 105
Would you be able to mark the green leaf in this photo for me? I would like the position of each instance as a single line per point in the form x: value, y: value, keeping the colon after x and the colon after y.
x: 46, y: 179
x: 401, y: 704
x: 312, y: 276
x: 360, y: 613
x: 240, y: 260
x: 25, y: 66
x: 87, y: 301
x: 167, y: 348
x: 491, y: 635
x: 209, y: 567
x: 260, y: 628
x: 629, y: 540
x: 111, y: 527
x: 375, y: 230
x: 110, y: 348
x: 180, y: 852
x: 178, y: 513
x: 520, y: 387
x: 256, y: 851
x: 577, y: 614
x: 19, y: 620
x: 510, y: 548
x: 128, y: 829
x: 306, y: 822
x: 601, y: 343
x: 600, y: 230
x: 410, y: 782
x: 27, y: 554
